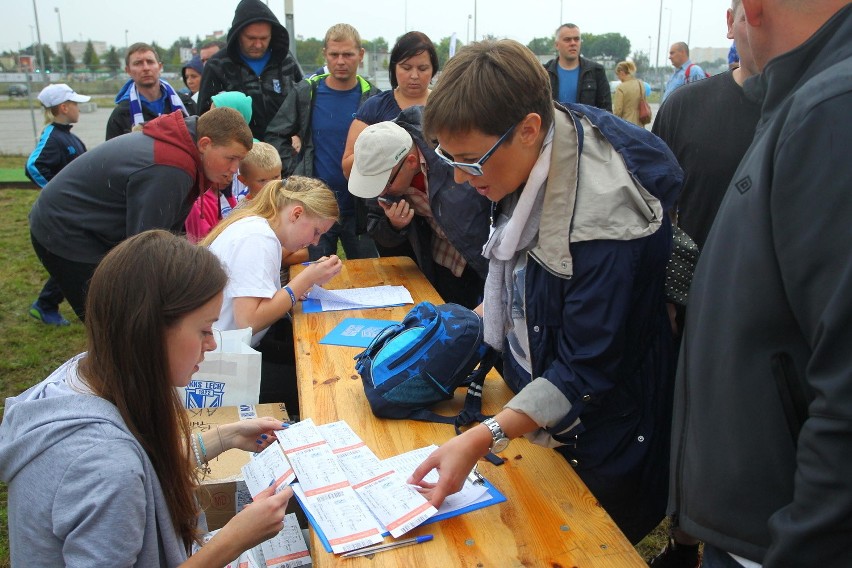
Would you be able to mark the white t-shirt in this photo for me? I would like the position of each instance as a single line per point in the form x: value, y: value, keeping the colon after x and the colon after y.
x: 251, y: 255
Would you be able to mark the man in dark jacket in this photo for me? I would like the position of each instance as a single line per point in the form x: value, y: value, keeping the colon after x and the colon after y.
x: 144, y: 180
x: 319, y: 111
x: 573, y: 78
x: 762, y: 430
x: 412, y: 197
x: 145, y: 96
x: 257, y: 62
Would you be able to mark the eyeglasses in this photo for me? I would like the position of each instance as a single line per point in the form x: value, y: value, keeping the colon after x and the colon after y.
x: 475, y: 168
x: 393, y: 178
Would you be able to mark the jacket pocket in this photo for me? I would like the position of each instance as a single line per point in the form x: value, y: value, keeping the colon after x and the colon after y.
x: 793, y: 395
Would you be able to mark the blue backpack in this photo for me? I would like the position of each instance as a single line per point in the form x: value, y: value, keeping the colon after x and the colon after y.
x: 421, y: 361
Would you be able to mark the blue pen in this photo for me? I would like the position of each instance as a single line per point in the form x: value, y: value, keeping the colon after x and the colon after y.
x: 388, y: 546
x: 310, y: 262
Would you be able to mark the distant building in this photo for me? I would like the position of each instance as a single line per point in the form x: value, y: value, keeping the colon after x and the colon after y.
x: 78, y: 48
x: 709, y: 54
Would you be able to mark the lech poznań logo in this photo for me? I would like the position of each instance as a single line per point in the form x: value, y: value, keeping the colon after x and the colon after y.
x: 204, y: 394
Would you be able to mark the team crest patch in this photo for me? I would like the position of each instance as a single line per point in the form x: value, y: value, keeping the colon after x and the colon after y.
x: 204, y: 394
x: 743, y: 185
x: 276, y: 86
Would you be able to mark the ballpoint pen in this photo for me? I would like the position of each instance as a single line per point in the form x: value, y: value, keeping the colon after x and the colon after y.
x: 388, y: 546
x: 310, y: 262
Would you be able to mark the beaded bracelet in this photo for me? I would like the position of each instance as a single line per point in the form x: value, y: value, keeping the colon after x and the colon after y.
x: 203, y: 449
x: 292, y: 295
x: 198, y: 461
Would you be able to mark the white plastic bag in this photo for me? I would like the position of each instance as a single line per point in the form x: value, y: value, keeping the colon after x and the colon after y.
x: 228, y: 376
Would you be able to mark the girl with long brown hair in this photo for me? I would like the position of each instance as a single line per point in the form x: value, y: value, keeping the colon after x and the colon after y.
x: 99, y: 458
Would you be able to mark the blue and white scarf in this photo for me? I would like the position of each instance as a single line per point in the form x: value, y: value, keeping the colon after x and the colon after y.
x: 136, y: 104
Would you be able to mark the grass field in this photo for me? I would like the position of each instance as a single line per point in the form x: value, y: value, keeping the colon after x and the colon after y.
x: 30, y: 350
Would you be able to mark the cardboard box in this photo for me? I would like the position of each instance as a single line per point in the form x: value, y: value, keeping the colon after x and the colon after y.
x: 218, y: 491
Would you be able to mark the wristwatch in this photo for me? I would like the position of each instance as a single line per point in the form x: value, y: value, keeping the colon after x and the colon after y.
x: 499, y: 441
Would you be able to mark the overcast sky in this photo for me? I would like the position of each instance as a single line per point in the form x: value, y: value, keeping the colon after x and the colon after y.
x: 164, y: 21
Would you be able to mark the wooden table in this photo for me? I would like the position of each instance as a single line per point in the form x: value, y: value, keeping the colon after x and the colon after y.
x: 549, y: 519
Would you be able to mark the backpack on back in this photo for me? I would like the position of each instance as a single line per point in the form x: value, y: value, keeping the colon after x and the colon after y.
x: 686, y: 73
x: 421, y: 361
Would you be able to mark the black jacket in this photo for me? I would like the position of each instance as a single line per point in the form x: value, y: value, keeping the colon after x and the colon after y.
x: 592, y: 86
x: 226, y: 71
x: 762, y: 430
x: 294, y: 118
x: 120, y: 122
x: 56, y: 148
x: 462, y: 213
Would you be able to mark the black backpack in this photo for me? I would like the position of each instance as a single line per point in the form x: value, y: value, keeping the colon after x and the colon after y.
x: 421, y: 361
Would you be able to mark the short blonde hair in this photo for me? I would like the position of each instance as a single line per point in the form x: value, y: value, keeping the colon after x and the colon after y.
x: 627, y: 67
x: 342, y: 32
x: 312, y: 194
x: 262, y: 156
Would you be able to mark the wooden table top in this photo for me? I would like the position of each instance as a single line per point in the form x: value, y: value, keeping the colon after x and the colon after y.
x: 549, y: 519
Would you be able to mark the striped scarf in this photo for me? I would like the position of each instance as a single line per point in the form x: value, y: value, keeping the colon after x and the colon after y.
x: 136, y: 104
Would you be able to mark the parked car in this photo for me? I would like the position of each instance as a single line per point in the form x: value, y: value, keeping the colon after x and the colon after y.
x: 18, y: 90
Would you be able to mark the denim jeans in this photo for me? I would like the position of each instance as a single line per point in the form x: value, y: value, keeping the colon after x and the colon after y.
x: 355, y: 246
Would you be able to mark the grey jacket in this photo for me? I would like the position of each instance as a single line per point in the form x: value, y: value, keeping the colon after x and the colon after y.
x: 762, y: 432
x: 82, y: 491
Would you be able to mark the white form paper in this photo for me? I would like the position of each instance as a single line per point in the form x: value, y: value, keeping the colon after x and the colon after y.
x: 405, y: 464
x: 267, y: 467
x: 287, y: 549
x: 343, y: 518
x: 372, y: 297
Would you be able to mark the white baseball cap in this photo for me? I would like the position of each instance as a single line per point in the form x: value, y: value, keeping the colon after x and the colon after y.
x: 378, y: 149
x: 56, y: 94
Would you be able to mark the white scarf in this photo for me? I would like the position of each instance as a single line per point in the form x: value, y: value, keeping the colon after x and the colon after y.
x: 136, y: 104
x: 514, y: 233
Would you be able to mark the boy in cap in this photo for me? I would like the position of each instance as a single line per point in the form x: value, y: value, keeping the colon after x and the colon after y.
x: 412, y: 197
x: 56, y: 148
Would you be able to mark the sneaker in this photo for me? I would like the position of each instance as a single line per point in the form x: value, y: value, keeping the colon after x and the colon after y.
x: 677, y: 556
x: 49, y: 317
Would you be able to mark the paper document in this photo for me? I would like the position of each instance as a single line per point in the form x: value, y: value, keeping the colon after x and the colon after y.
x: 287, y: 549
x: 322, y: 300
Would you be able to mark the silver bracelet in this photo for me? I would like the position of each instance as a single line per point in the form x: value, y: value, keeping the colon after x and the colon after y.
x: 199, y: 463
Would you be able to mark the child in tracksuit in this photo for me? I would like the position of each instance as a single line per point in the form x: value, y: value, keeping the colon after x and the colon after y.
x: 56, y: 148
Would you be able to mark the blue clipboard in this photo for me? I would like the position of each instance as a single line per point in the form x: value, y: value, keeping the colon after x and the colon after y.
x: 355, y: 332
x: 495, y: 497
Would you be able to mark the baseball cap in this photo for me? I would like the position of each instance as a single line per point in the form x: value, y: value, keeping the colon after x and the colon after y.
x: 54, y: 95
x: 378, y: 149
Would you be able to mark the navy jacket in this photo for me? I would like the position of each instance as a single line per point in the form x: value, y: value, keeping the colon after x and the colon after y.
x: 56, y: 148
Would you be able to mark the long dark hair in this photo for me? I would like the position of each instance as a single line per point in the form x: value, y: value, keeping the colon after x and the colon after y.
x: 409, y: 45
x: 141, y: 288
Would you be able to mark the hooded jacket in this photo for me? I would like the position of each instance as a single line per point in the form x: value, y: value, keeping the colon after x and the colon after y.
x: 462, y: 213
x: 144, y: 180
x: 226, y: 71
x: 762, y: 430
x: 82, y: 490
x: 593, y: 295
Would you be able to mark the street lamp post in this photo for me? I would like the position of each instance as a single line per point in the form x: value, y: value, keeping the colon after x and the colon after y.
x: 475, y: 19
x: 689, y: 32
x: 669, y: 36
x: 61, y: 41
x: 659, y: 35
x: 469, y: 18
x: 38, y: 34
x: 126, y: 45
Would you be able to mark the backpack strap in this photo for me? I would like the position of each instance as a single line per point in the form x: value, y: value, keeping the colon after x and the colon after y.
x: 472, y: 411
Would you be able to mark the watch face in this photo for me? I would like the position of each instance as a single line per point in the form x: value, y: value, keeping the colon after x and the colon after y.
x: 500, y: 445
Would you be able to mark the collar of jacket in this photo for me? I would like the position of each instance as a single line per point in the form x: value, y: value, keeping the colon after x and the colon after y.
x: 315, y: 79
x: 605, y: 203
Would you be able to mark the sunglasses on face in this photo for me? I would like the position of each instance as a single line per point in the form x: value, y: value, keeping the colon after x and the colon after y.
x: 472, y: 168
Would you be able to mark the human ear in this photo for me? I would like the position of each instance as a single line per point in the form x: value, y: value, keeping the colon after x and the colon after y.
x: 529, y: 128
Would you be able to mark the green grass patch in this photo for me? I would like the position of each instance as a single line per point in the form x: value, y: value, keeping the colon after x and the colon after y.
x: 14, y: 174
x: 30, y: 350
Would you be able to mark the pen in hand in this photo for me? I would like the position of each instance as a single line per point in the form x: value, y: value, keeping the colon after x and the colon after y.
x: 310, y: 262
x: 387, y: 546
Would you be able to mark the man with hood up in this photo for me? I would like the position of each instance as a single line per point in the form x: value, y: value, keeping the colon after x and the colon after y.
x: 143, y: 180
x: 257, y: 61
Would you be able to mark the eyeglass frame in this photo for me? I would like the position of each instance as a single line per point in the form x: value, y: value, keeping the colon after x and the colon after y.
x: 474, y: 168
x: 393, y: 177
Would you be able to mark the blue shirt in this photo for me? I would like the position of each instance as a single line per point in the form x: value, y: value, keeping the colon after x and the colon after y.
x: 678, y: 78
x: 379, y: 108
x: 330, y: 120
x: 568, y: 84
x: 257, y: 65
